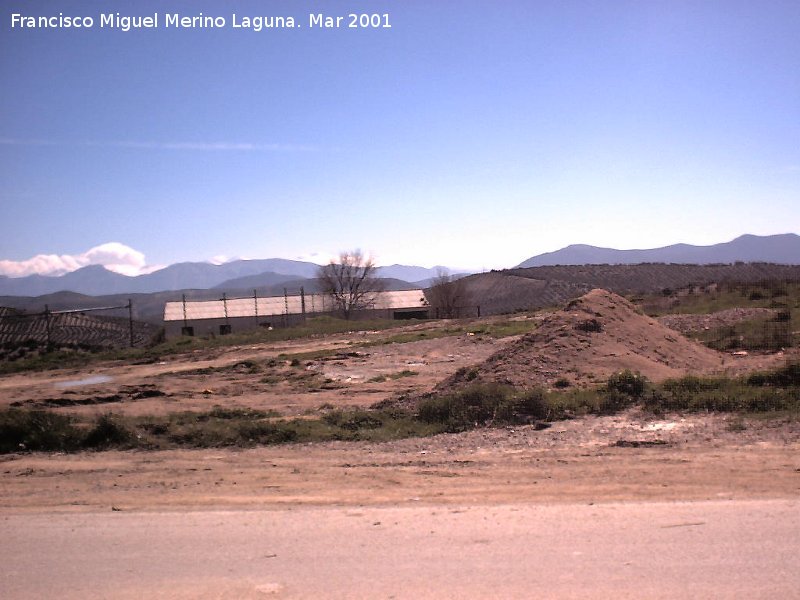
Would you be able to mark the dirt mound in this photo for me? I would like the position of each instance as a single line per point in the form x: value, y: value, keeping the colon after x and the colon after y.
x: 595, y: 336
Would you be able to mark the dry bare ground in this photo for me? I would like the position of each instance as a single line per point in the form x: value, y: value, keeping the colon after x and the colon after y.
x: 631, y: 456
x: 561, y: 512
x: 596, y: 459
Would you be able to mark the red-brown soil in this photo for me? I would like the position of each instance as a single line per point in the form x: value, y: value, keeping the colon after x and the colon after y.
x: 593, y: 459
x: 595, y: 336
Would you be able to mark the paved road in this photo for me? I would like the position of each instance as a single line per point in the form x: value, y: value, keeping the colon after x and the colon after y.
x: 726, y: 549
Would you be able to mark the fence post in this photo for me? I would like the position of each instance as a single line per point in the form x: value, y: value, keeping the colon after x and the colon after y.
x: 47, y: 325
x: 225, y: 306
x: 130, y: 319
x: 255, y: 307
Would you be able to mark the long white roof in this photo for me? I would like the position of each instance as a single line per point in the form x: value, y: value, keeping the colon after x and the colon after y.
x: 280, y: 305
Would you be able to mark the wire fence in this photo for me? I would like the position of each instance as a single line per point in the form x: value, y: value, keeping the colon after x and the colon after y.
x: 77, y: 327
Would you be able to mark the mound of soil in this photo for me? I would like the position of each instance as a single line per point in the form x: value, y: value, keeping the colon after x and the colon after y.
x: 595, y: 336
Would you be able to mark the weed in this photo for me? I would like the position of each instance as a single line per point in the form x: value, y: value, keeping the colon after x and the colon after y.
x: 465, y: 374
x: 788, y: 375
x: 37, y: 430
x: 590, y: 326
x: 627, y: 383
x: 482, y: 404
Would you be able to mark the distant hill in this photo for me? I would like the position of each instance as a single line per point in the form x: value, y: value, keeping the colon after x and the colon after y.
x: 409, y: 273
x: 779, y: 249
x: 261, y: 280
x: 96, y: 280
x: 536, y: 287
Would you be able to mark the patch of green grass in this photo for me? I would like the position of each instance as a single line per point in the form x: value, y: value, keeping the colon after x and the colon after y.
x: 764, y: 334
x: 766, y: 294
x: 775, y: 393
x: 767, y: 392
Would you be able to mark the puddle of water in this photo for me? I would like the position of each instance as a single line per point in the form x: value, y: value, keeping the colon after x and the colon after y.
x: 85, y: 381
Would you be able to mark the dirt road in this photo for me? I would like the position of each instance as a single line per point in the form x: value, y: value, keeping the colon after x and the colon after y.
x: 743, y: 549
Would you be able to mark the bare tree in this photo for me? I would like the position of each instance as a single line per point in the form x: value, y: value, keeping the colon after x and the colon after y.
x: 446, y: 294
x: 352, y: 282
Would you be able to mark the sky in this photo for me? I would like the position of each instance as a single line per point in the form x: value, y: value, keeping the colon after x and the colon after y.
x: 471, y: 133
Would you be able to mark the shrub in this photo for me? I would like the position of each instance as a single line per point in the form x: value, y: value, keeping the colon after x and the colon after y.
x: 483, y: 404
x: 533, y: 403
x: 37, y: 430
x: 613, y: 401
x: 466, y: 374
x: 788, y: 375
x: 222, y: 412
x: 462, y: 410
x: 783, y: 316
x: 529, y: 406
x: 590, y: 326
x: 108, y: 432
x: 211, y: 433
x: 353, y: 420
x: 627, y: 383
x: 260, y: 432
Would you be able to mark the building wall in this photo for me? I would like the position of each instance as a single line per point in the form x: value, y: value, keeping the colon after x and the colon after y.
x: 209, y: 327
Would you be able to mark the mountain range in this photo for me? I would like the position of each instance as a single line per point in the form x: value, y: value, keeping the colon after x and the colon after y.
x: 780, y: 249
x: 96, y: 280
x: 275, y: 273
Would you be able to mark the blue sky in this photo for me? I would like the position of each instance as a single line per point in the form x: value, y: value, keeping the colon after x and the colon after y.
x: 471, y: 133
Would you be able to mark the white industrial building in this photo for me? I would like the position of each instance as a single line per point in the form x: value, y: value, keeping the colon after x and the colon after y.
x: 227, y: 315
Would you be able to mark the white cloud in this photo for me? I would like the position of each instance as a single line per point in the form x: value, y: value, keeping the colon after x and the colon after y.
x: 114, y: 256
x: 221, y: 259
x: 318, y: 257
